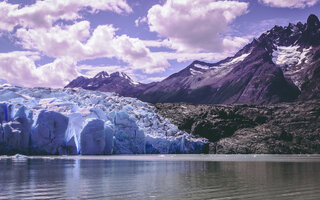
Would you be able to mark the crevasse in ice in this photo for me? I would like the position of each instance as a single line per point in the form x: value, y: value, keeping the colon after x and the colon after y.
x: 77, y: 121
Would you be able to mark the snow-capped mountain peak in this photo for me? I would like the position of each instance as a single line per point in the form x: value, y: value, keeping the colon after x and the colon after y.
x: 125, y: 76
x: 102, y: 75
x: 118, y: 82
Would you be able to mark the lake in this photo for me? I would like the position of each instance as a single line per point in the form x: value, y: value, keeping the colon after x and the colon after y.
x: 161, y: 177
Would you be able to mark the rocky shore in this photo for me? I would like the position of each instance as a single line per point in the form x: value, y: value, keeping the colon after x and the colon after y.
x: 287, y: 128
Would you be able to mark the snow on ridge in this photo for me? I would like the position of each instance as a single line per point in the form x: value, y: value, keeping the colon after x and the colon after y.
x: 224, y: 68
x: 237, y: 59
x: 205, y: 67
x: 124, y: 75
x: 221, y: 69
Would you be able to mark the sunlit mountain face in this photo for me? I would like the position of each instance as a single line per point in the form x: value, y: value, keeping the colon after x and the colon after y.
x: 50, y: 43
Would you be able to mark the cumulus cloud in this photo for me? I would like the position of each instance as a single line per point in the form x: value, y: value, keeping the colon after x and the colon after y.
x: 68, y: 44
x: 289, y: 3
x: 43, y: 14
x: 73, y: 43
x: 57, y: 41
x: 130, y: 50
x: 197, y: 25
x: 103, y: 42
x: 19, y: 68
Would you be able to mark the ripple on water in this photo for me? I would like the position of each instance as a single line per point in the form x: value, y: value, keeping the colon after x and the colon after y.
x: 161, y: 177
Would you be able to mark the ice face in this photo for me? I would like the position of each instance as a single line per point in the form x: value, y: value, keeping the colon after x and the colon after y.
x: 4, y: 114
x: 77, y: 121
x: 16, y: 132
x: 93, y: 138
x: 108, y: 132
x: 49, y: 132
x: 129, y: 139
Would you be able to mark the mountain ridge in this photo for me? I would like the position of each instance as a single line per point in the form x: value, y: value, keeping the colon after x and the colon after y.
x: 281, y: 65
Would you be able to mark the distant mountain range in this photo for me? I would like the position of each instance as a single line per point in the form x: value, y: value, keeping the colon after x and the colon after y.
x: 282, y: 65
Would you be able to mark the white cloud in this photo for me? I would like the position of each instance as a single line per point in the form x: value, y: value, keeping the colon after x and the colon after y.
x: 57, y: 41
x: 58, y: 73
x: 18, y: 67
x: 73, y: 43
x: 69, y: 44
x: 43, y: 14
x: 289, y: 3
x: 60, y: 41
x: 197, y: 25
x: 140, y: 20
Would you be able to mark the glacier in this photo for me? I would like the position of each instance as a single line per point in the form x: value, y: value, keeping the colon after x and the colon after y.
x: 46, y: 121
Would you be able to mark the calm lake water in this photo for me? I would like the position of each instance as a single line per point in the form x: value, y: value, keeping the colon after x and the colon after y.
x: 161, y: 177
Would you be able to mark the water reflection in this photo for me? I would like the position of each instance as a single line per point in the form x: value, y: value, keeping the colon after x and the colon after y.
x: 123, y: 179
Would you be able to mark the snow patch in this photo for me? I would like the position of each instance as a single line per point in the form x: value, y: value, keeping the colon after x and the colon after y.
x: 237, y: 59
x: 204, y: 67
x: 134, y: 82
x: 288, y: 56
x: 224, y: 68
x: 292, y: 61
x: 195, y: 72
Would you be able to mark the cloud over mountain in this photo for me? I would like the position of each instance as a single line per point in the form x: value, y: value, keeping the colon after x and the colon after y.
x: 197, y: 25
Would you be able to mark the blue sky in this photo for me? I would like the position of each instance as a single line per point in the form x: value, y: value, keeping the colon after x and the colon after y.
x: 50, y: 42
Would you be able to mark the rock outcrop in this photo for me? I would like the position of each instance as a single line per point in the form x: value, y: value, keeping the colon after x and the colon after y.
x: 287, y: 128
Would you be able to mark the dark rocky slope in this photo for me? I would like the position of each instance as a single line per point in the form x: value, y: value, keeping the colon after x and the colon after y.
x: 276, y: 129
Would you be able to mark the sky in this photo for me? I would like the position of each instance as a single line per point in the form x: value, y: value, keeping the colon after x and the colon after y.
x: 48, y: 43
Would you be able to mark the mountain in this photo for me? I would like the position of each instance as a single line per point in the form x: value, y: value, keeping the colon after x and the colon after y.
x: 117, y: 82
x: 282, y: 65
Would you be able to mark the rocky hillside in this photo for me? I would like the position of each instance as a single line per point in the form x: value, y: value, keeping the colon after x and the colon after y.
x: 280, y: 128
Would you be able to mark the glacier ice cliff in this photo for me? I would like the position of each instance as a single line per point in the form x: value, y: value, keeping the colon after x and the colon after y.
x: 39, y: 121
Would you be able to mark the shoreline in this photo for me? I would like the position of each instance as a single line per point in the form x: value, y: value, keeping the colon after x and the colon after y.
x: 180, y: 157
